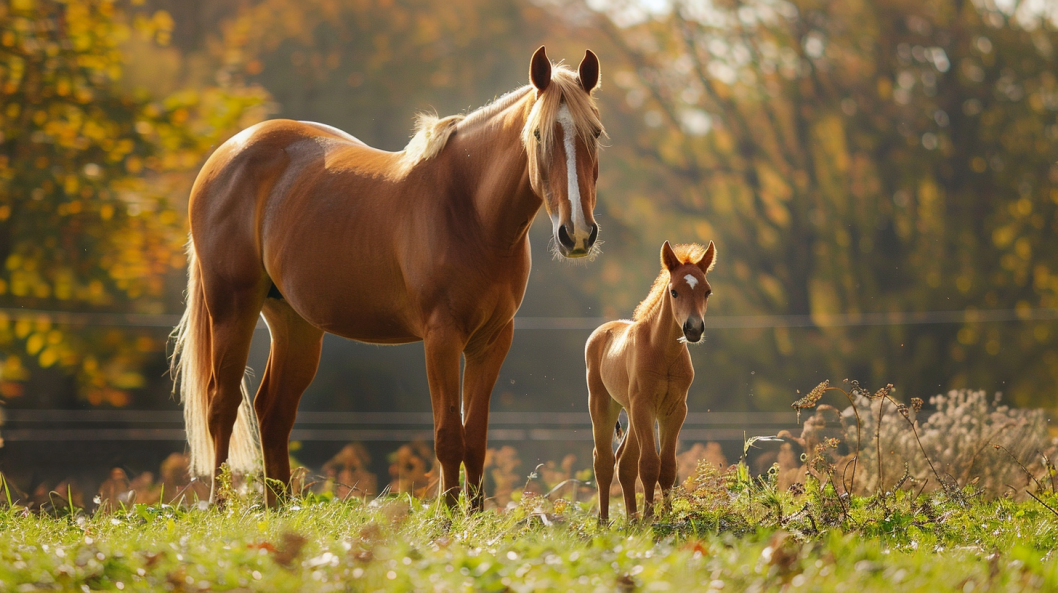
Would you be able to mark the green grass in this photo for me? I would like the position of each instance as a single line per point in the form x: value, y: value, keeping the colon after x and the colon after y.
x: 722, y: 534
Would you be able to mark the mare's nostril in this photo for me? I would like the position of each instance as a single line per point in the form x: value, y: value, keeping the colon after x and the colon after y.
x: 564, y: 238
x: 594, y: 234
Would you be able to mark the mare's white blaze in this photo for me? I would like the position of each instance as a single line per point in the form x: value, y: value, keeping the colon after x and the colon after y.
x: 691, y: 280
x: 569, y: 134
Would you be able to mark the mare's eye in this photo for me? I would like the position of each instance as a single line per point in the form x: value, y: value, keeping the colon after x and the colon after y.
x: 674, y: 293
x: 708, y: 293
x: 597, y: 133
x: 537, y: 134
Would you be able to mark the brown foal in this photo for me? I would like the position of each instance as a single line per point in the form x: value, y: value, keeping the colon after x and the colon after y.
x: 318, y: 232
x: 643, y: 366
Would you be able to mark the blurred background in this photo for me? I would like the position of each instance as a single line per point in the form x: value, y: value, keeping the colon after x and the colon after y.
x: 880, y: 178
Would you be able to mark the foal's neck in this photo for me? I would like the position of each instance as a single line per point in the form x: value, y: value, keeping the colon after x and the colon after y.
x: 664, y: 332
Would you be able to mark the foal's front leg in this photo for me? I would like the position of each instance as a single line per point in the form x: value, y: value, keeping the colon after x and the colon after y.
x: 444, y: 346
x: 482, y: 369
x: 669, y: 425
x: 641, y: 417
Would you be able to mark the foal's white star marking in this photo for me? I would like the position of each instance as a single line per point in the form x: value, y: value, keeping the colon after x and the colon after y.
x: 691, y: 280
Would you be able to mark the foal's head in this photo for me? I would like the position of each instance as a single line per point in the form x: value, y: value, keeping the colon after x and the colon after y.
x: 688, y: 288
x: 561, y: 136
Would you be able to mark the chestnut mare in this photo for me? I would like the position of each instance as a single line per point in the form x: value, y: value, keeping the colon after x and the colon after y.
x: 643, y: 366
x: 319, y: 232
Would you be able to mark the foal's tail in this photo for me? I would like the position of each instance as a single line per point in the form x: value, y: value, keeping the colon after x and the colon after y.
x: 191, y: 368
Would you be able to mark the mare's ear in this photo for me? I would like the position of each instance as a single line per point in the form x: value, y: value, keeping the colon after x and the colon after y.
x: 669, y: 261
x: 708, y: 258
x: 589, y: 71
x: 540, y: 70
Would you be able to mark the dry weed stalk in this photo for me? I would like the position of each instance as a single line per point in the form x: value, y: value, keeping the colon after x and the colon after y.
x: 952, y: 443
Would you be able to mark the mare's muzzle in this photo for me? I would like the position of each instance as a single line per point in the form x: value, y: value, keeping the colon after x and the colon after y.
x: 572, y: 243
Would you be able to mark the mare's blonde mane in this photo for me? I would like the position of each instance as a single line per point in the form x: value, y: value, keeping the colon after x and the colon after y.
x: 687, y: 253
x: 565, y: 90
x: 432, y: 132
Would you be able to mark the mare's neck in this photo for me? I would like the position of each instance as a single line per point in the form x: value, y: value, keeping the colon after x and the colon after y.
x: 489, y: 162
x: 663, y: 330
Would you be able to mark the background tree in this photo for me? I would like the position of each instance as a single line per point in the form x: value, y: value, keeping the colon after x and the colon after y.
x: 89, y: 163
x: 856, y: 157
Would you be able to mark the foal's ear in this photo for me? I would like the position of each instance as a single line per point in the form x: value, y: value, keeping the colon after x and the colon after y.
x: 669, y: 261
x: 589, y: 71
x: 540, y: 70
x: 708, y: 259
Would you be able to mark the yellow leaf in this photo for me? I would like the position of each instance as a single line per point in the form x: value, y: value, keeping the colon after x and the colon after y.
x: 48, y: 357
x: 34, y: 343
x: 22, y: 328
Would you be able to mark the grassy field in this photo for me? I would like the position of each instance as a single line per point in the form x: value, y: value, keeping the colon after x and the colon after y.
x: 722, y: 533
x: 967, y: 502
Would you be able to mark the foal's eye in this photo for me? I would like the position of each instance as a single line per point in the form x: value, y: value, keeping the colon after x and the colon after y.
x: 674, y: 293
x: 537, y: 134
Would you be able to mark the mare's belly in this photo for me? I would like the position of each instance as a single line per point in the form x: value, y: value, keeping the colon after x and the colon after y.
x: 360, y: 298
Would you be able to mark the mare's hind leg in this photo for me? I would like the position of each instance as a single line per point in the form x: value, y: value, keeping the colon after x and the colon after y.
x: 604, y: 413
x: 628, y: 471
x: 292, y: 362
x: 233, y: 315
x: 483, y: 362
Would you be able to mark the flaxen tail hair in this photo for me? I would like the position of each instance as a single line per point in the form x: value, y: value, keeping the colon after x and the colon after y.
x: 191, y: 369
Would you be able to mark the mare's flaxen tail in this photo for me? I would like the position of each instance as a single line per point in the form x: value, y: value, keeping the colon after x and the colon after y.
x: 191, y: 369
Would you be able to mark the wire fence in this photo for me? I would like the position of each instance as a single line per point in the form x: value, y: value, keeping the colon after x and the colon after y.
x: 143, y: 425
x: 133, y: 425
x: 582, y: 323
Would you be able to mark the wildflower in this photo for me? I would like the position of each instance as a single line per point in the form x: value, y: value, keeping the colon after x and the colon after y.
x: 884, y: 391
x: 813, y: 396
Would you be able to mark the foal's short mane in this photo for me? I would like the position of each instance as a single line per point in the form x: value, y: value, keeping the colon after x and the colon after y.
x: 432, y: 132
x: 687, y: 253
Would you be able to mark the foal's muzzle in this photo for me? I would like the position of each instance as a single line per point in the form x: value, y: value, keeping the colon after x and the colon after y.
x: 693, y: 329
x: 572, y: 243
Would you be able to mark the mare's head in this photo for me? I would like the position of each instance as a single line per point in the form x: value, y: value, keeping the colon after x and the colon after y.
x: 561, y: 137
x: 688, y: 288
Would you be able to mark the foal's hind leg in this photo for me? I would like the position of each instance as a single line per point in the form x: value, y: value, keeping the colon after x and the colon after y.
x: 604, y: 414
x: 292, y: 362
x: 628, y: 470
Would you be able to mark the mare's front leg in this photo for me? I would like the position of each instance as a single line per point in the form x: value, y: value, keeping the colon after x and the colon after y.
x: 482, y: 368
x: 444, y: 345
x: 669, y: 425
